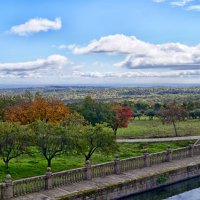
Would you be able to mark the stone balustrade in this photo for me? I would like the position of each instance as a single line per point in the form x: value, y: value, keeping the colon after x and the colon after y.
x: 68, y: 177
x: 50, y: 180
x: 132, y: 163
x: 104, y: 169
x: 29, y: 185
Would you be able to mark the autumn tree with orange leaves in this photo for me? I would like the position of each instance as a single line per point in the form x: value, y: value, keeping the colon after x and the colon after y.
x: 47, y: 110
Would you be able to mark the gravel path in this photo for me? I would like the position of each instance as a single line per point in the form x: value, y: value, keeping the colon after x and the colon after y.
x: 160, y: 139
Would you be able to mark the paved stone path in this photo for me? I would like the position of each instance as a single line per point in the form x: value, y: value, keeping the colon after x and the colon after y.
x: 160, y: 139
x: 112, y: 179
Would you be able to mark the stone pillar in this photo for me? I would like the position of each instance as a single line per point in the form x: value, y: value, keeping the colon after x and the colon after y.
x: 117, y: 165
x: 191, y: 150
x: 7, y: 192
x: 88, y: 170
x: 48, y: 180
x: 169, y: 154
x: 146, y: 159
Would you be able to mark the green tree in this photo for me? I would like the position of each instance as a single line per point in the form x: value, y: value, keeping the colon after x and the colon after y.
x: 141, y: 106
x: 51, y: 140
x: 14, y: 141
x: 94, y: 112
x: 6, y: 101
x: 150, y: 113
x: 90, y: 139
x: 157, y: 106
x: 195, y: 114
x: 137, y: 114
x: 74, y: 119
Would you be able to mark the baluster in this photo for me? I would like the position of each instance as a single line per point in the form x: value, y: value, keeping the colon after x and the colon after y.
x: 31, y: 186
x: 26, y: 187
x: 59, y: 180
x: 16, y: 190
x: 65, y: 179
x: 146, y: 159
x: 38, y: 184
x: 74, y: 177
x: 55, y: 181
x: 22, y: 188
x: 62, y: 180
x: 35, y: 188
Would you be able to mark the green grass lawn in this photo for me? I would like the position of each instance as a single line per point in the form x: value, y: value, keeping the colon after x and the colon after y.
x: 154, y: 128
x: 27, y: 166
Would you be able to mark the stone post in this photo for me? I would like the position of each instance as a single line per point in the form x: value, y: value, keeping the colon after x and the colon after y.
x: 48, y: 180
x: 191, y: 150
x: 146, y: 159
x: 169, y: 154
x: 8, y: 188
x: 117, y: 165
x: 88, y: 170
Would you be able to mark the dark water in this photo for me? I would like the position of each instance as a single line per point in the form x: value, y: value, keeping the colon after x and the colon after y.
x: 186, y: 190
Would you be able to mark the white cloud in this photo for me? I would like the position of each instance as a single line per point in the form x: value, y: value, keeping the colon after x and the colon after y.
x: 180, y: 3
x: 36, y: 25
x: 142, y: 54
x: 158, y: 1
x: 177, y: 73
x: 194, y: 7
x: 61, y: 46
x: 111, y: 44
x: 34, y: 68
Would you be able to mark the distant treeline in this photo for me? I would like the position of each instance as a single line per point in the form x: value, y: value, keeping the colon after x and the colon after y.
x: 71, y: 94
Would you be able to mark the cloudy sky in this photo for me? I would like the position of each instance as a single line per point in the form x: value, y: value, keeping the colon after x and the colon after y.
x: 99, y: 41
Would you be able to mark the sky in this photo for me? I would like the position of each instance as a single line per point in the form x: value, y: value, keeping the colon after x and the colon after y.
x: 99, y: 42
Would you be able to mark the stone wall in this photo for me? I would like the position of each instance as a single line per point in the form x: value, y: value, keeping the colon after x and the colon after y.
x: 142, y: 184
x: 50, y: 180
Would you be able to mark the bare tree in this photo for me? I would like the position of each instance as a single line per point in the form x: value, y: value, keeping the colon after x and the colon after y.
x: 173, y: 113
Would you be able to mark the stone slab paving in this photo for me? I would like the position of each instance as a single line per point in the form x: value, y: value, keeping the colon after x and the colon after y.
x: 169, y: 139
x: 103, y: 181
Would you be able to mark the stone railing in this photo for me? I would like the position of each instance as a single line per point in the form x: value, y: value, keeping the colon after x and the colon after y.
x: 132, y: 163
x: 68, y: 177
x: 104, y: 169
x: 29, y: 185
x: 50, y: 180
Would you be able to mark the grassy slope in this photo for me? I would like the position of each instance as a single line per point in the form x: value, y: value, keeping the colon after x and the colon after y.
x: 154, y: 128
x: 27, y: 166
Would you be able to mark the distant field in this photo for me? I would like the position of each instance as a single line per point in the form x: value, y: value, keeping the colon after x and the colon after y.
x: 36, y: 165
x: 145, y: 128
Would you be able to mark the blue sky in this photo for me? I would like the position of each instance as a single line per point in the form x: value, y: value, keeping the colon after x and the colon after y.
x: 99, y: 41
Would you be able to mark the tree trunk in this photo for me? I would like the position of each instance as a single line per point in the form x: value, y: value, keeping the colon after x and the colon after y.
x: 49, y: 162
x: 115, y: 132
x: 6, y: 164
x: 87, y: 158
x: 175, y: 128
